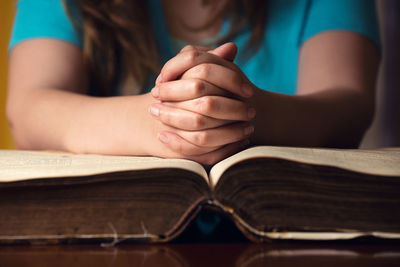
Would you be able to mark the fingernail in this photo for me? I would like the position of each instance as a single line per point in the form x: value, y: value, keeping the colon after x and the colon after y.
x: 159, y: 79
x: 163, y: 138
x: 248, y: 130
x: 155, y: 111
x: 247, y: 90
x: 251, y: 113
x: 155, y: 92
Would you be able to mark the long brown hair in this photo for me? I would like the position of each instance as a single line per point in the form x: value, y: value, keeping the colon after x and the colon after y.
x: 118, y: 38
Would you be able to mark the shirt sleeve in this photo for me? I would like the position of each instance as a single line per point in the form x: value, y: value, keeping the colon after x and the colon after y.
x: 358, y: 16
x: 43, y: 19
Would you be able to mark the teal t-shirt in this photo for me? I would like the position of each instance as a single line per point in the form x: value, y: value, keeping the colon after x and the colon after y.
x: 274, y: 67
x: 289, y: 24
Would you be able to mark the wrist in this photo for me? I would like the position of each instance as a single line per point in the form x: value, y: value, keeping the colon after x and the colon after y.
x: 140, y: 130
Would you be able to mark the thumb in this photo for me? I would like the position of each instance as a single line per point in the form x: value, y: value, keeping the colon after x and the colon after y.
x: 226, y: 51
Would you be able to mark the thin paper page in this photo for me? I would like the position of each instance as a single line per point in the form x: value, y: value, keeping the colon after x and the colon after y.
x: 379, y: 162
x: 25, y: 165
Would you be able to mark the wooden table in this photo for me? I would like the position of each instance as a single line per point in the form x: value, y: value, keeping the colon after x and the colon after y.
x: 359, y: 253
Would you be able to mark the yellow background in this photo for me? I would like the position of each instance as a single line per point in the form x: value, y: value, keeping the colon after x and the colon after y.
x: 6, y: 18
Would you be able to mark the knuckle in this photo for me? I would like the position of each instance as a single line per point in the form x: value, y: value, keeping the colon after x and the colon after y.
x: 201, y: 138
x: 203, y: 70
x: 198, y: 122
x: 191, y: 56
x: 198, y: 87
x: 178, y: 148
x: 206, y: 104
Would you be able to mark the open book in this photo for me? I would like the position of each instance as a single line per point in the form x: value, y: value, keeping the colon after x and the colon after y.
x: 269, y: 192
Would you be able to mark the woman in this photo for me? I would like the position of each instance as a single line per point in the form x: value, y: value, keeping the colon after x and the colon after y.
x: 304, y: 76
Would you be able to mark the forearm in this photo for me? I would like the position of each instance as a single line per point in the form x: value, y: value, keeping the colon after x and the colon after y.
x: 331, y: 118
x: 60, y: 120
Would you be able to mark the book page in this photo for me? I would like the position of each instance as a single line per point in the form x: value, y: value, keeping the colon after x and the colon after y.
x: 25, y: 165
x: 378, y: 162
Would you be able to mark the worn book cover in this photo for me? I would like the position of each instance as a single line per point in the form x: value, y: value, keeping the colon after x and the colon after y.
x: 268, y: 192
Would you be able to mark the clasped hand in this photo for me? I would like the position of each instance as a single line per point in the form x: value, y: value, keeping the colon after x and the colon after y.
x: 202, y: 104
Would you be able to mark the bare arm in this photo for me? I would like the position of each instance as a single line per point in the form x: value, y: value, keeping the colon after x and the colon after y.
x: 333, y: 106
x: 48, y: 108
x: 335, y: 96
